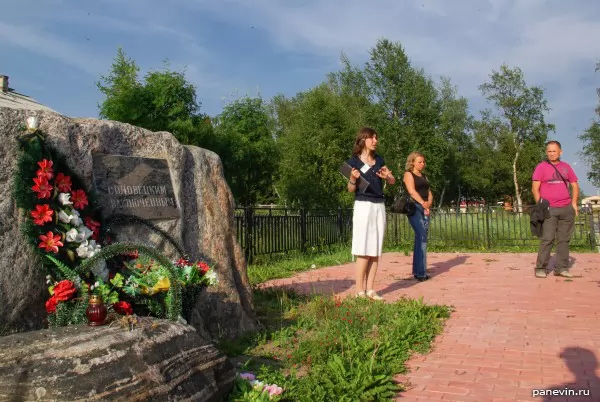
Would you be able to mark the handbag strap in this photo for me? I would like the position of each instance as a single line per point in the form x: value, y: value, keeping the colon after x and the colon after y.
x: 561, y: 176
x: 403, y: 191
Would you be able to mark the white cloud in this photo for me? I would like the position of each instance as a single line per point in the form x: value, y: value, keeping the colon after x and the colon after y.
x: 459, y: 39
x: 554, y: 42
x: 43, y: 42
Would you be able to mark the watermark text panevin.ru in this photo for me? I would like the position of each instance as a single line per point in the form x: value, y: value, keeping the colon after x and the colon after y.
x: 560, y: 392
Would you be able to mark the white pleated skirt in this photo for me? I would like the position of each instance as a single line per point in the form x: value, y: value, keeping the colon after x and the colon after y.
x: 368, y: 228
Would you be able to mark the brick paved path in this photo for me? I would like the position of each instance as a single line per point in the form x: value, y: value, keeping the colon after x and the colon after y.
x: 510, y: 332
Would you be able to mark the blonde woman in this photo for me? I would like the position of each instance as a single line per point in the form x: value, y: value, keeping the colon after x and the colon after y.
x: 418, y: 187
x: 368, y: 225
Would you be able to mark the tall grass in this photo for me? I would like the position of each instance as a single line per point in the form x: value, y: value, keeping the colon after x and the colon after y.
x: 319, y: 348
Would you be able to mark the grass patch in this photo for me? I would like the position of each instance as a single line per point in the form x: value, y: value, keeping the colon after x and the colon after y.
x: 320, y: 348
x: 286, y: 265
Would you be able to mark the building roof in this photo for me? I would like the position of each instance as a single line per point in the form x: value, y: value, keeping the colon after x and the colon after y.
x: 594, y: 199
x: 15, y: 100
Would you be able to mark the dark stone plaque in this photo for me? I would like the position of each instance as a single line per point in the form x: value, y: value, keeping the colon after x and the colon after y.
x: 134, y: 185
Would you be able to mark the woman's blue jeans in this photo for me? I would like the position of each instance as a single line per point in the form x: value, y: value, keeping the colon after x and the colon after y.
x: 420, y: 224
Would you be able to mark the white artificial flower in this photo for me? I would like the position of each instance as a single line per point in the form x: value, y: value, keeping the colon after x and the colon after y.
x: 93, y: 245
x: 64, y: 217
x: 257, y: 384
x: 76, y: 219
x: 65, y: 199
x: 101, y: 271
x: 93, y: 248
x: 71, y: 235
x: 84, y: 233
x: 82, y: 250
x: 212, y: 278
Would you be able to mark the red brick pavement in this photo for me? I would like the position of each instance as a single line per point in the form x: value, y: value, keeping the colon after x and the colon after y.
x: 510, y: 333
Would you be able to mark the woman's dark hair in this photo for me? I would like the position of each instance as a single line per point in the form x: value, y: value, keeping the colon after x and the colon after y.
x: 359, y: 143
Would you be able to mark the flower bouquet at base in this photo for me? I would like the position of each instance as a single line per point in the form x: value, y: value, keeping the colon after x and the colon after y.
x: 149, y: 283
x: 248, y: 388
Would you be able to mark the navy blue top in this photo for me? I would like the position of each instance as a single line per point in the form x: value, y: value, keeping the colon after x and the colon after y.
x: 373, y: 193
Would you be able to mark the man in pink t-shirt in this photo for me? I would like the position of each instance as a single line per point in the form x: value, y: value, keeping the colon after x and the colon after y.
x: 551, y: 181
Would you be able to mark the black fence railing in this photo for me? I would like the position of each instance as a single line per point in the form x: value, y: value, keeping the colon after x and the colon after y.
x: 276, y: 230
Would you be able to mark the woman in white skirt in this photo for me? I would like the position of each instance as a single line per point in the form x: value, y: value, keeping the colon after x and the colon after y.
x: 369, y: 209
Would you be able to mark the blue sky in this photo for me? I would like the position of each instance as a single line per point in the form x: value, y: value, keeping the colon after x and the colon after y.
x: 55, y: 50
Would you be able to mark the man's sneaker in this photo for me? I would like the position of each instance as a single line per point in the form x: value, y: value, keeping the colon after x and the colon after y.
x: 565, y: 274
x: 540, y: 273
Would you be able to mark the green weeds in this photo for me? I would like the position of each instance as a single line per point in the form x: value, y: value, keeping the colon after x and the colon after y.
x: 321, y: 348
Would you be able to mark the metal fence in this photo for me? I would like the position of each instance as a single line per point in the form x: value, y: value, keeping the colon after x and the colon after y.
x: 276, y: 230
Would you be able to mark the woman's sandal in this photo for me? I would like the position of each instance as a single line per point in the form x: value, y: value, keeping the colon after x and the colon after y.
x: 373, y: 296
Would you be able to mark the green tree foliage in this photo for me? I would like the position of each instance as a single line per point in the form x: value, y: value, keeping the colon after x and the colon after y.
x: 518, y: 123
x: 591, y: 140
x: 455, y: 124
x: 417, y: 115
x: 405, y: 106
x: 409, y: 100
x: 244, y: 134
x: 164, y: 101
x: 317, y: 133
x: 289, y: 149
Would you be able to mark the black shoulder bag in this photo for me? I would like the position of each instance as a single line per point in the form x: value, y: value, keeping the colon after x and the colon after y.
x: 561, y: 176
x: 403, y: 203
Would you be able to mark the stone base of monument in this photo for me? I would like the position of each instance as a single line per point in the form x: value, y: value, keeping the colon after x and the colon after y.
x: 158, y: 360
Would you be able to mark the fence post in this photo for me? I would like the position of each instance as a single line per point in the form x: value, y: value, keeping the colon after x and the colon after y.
x: 488, y: 235
x: 248, y: 220
x: 592, y: 229
x: 396, y: 235
x: 340, y: 224
x: 302, y: 230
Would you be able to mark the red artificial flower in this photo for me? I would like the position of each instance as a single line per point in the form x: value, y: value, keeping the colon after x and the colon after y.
x: 79, y: 199
x: 63, y: 183
x: 51, y: 304
x: 45, y: 169
x: 182, y: 262
x: 42, y: 214
x: 93, y: 225
x: 123, y: 308
x: 50, y: 242
x: 203, y: 267
x: 64, y: 290
x: 42, y: 187
x: 134, y: 254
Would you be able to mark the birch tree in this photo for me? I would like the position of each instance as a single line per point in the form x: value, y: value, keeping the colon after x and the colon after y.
x: 519, y: 114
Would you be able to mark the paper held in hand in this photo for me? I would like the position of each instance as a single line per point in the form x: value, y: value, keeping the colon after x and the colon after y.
x: 345, y: 170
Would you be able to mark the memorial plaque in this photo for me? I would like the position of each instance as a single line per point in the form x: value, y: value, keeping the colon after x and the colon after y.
x: 135, y: 186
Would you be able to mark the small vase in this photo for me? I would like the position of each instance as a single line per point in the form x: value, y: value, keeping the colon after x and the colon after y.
x: 96, y: 311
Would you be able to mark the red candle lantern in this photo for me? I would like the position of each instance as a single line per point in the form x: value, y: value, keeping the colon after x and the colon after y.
x: 96, y: 311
